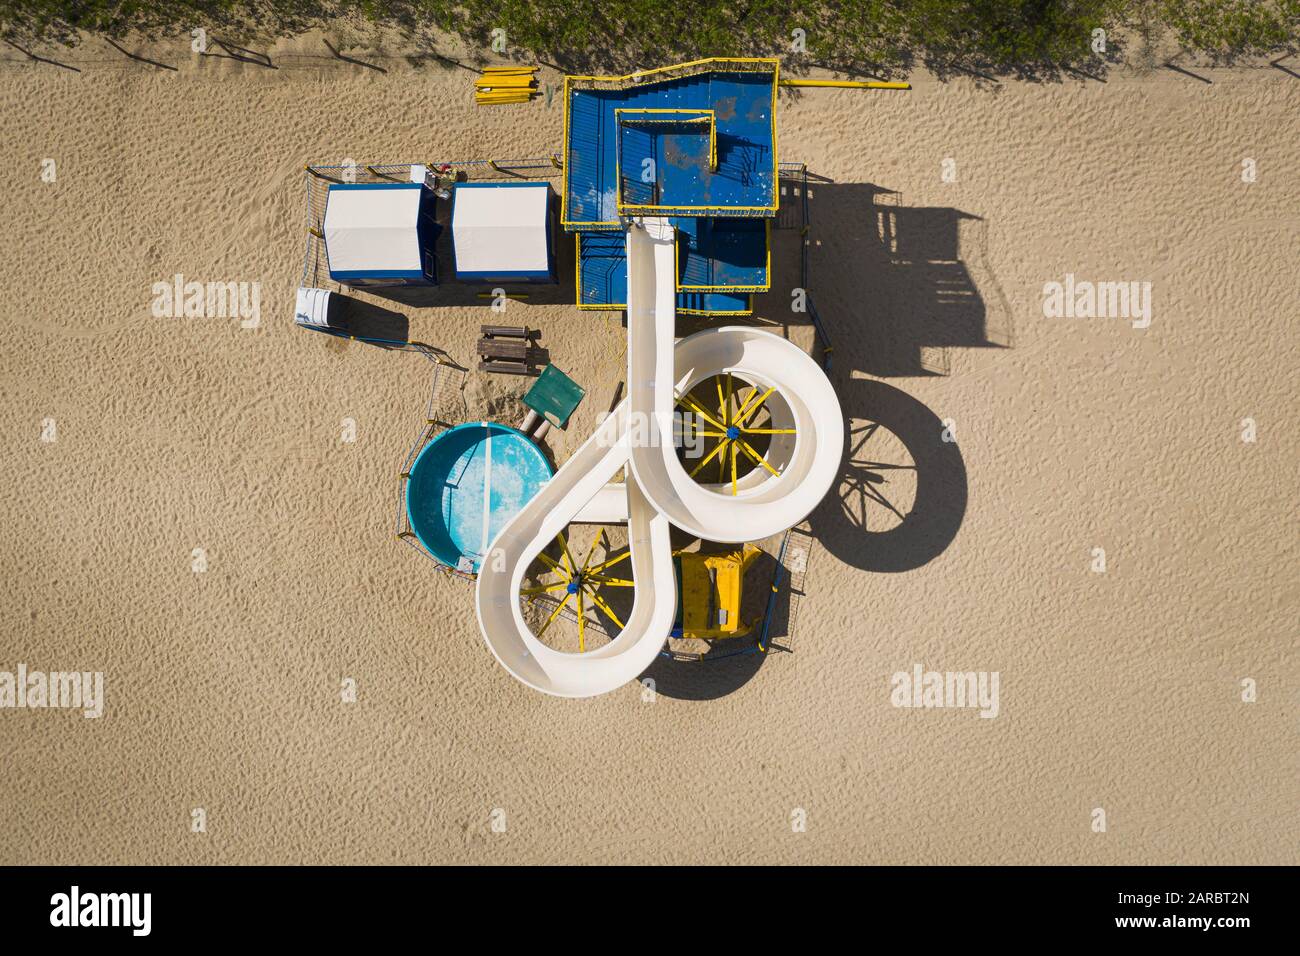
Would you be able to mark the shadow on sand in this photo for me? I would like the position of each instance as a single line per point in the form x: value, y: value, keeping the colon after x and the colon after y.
x: 897, y: 286
x: 901, y: 495
x: 705, y: 679
x: 366, y: 320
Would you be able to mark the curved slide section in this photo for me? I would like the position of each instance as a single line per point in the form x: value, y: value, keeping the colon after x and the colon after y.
x: 800, y: 468
x: 638, y: 436
x: 517, y: 545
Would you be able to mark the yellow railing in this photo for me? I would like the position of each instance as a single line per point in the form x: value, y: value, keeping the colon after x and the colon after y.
x: 647, y: 117
x: 713, y: 64
x: 699, y: 116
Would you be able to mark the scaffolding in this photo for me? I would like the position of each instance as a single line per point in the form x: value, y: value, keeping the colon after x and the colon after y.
x: 794, y: 176
x: 791, y: 560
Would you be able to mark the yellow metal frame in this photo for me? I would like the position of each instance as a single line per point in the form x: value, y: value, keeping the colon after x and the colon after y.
x: 586, y: 580
x: 731, y: 429
x: 850, y: 84
x: 728, y: 288
x: 749, y: 311
x: 638, y: 75
x: 637, y: 78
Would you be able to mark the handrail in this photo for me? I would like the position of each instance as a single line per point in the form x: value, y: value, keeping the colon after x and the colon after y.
x: 849, y: 84
x: 641, y: 74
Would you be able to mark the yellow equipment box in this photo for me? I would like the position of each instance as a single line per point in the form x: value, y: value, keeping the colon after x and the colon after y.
x: 710, y: 588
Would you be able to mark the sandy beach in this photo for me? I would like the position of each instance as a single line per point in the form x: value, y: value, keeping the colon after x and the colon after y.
x: 182, y: 514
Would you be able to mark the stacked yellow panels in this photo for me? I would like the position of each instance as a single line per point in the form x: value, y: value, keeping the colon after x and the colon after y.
x: 506, y: 84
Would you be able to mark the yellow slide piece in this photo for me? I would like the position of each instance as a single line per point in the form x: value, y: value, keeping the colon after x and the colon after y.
x: 504, y: 96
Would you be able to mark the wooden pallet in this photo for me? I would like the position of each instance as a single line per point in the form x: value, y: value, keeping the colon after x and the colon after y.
x: 507, y: 349
x: 505, y: 366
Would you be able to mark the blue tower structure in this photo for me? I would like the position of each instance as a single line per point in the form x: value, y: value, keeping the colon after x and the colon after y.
x: 695, y: 143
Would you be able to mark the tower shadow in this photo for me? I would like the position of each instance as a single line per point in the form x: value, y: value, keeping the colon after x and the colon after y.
x: 897, y: 286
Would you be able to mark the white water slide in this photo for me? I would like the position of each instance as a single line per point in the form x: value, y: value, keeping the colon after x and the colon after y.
x: 797, y: 469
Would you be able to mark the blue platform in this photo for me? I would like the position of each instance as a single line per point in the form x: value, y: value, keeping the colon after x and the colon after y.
x: 602, y: 281
x: 744, y: 181
x: 716, y: 255
x: 663, y: 156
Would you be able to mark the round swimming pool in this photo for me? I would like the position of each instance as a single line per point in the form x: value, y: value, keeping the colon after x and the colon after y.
x: 466, y: 484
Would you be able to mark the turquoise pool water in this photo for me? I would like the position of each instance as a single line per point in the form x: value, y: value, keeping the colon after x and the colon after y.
x: 466, y: 484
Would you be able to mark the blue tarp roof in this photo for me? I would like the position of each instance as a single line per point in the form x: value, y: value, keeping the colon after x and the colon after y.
x: 602, y: 280
x: 715, y: 253
x: 742, y: 106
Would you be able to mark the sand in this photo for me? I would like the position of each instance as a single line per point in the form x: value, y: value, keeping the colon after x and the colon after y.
x: 1120, y: 690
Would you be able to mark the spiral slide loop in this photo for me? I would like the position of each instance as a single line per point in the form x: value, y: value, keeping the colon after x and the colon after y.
x: 786, y: 481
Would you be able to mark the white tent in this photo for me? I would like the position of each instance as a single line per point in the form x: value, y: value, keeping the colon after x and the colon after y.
x: 502, y: 231
x: 374, y: 231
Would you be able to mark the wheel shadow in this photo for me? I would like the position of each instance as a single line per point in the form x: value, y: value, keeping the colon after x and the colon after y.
x: 902, y: 492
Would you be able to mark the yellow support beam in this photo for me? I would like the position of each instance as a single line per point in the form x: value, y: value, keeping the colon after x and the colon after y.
x: 513, y: 96
x: 849, y: 84
x: 505, y: 84
x: 523, y: 81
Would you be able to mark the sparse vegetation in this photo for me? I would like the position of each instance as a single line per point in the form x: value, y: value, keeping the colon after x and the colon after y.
x: 886, y: 36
